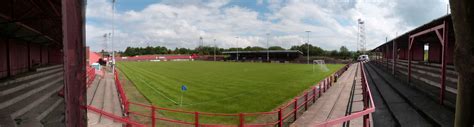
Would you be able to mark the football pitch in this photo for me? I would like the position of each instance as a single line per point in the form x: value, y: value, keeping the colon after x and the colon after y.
x: 222, y: 87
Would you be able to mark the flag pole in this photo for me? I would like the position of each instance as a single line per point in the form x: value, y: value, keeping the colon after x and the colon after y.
x: 181, y: 104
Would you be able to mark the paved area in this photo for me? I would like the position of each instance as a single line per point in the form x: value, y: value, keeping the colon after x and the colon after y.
x: 103, y: 94
x: 333, y: 104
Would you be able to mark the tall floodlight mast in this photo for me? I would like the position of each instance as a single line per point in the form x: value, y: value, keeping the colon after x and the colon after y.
x: 200, y: 45
x: 201, y: 42
x: 113, y: 34
x: 361, y: 38
x: 307, y: 50
x: 105, y: 44
x: 268, y: 48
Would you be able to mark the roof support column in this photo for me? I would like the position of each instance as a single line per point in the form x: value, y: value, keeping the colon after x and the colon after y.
x: 9, y: 68
x: 74, y: 62
x: 444, y: 47
x: 29, y: 55
x: 41, y: 54
x: 394, y: 56
x: 410, y: 41
x: 386, y: 56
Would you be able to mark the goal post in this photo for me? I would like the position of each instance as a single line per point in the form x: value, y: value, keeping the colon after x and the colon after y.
x: 321, y: 64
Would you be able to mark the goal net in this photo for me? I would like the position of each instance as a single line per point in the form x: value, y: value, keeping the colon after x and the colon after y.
x: 320, y: 64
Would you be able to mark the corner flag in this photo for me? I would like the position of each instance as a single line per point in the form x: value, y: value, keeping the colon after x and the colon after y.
x: 184, y: 88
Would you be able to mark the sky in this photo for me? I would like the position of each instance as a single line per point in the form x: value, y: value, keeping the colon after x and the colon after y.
x: 242, y: 23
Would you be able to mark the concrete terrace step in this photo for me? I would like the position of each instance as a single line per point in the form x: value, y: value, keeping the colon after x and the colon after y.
x: 108, y: 101
x: 116, y: 102
x: 332, y: 104
x: 33, y: 101
x: 428, y: 77
x: 450, y: 87
x: 43, y: 109
x: 427, y: 69
x: 105, y: 97
x: 50, y: 67
x: 405, y: 114
x: 11, y: 88
x: 434, y: 65
x: 438, y: 113
x: 55, y: 118
x: 10, y: 99
x: 92, y: 90
x: 29, y: 76
x: 382, y: 116
x: 428, y: 66
x: 97, y: 101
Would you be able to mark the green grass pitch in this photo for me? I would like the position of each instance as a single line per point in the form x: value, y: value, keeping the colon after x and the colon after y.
x: 222, y: 87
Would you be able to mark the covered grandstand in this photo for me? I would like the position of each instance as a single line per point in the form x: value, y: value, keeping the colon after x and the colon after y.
x: 423, y: 57
x: 42, y: 63
x: 158, y: 58
x: 274, y: 55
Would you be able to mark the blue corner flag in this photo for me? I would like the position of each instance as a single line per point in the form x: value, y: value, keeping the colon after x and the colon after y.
x: 184, y: 88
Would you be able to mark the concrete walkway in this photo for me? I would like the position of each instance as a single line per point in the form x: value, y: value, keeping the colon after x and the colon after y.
x: 333, y: 104
x: 103, y: 94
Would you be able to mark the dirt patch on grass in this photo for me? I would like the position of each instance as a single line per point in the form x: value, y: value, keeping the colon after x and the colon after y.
x: 134, y: 95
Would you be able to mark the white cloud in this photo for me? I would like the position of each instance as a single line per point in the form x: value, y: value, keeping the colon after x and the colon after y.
x: 181, y: 23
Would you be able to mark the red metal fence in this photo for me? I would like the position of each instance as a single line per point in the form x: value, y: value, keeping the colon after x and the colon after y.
x: 369, y: 106
x: 284, y: 115
x: 122, y: 96
x: 90, y: 76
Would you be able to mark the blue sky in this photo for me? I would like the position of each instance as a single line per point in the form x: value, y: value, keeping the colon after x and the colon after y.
x: 180, y: 23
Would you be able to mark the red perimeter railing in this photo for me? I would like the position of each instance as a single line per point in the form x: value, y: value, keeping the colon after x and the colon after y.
x: 369, y: 106
x: 90, y: 76
x: 115, y: 117
x: 282, y: 116
x: 122, y: 96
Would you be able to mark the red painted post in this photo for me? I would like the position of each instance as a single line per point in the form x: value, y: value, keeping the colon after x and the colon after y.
x: 386, y: 55
x: 330, y: 81
x: 394, y: 56
x: 319, y: 90
x: 410, y: 41
x: 280, y: 118
x: 327, y: 84
x: 366, y: 121
x: 314, y: 94
x: 324, y: 86
x: 296, y: 108
x: 306, y: 101
x: 196, y: 119
x: 153, y: 116
x: 443, y: 63
x: 241, y: 120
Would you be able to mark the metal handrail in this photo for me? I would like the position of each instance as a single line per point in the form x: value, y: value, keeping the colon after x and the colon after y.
x: 369, y: 106
x: 309, y: 95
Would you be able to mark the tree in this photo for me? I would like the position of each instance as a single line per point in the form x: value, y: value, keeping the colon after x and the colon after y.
x: 254, y: 48
x: 313, y: 50
x: 275, y: 48
x: 334, y: 53
x: 344, y: 52
x: 463, y: 19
